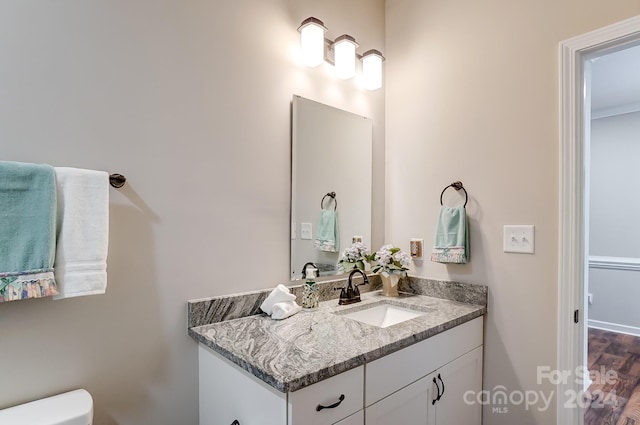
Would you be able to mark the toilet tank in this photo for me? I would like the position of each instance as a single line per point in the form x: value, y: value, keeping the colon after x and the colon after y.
x: 72, y: 408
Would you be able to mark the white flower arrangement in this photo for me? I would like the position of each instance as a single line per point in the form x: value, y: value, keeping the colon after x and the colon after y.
x: 389, y: 259
x: 354, y: 256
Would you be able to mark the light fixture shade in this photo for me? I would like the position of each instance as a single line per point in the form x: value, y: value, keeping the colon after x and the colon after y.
x: 344, y: 48
x: 312, y: 41
x: 372, y: 69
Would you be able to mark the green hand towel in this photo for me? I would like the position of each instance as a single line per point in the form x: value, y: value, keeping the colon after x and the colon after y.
x: 452, y: 236
x: 327, y: 234
x: 27, y: 230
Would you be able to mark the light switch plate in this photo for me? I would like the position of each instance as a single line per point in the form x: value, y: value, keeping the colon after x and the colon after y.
x: 305, y: 231
x: 519, y: 239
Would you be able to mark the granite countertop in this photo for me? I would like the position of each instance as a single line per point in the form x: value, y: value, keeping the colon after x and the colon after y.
x: 316, y: 344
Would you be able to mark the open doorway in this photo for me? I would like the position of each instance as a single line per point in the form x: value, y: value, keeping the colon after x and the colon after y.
x: 575, y: 125
x: 612, y: 279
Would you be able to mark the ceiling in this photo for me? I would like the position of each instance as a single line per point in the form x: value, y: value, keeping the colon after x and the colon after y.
x: 615, y: 80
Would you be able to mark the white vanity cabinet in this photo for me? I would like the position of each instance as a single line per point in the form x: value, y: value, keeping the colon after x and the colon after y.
x: 396, y: 389
x: 418, y: 402
x: 355, y: 419
x: 228, y: 393
x: 426, y: 382
x: 410, y: 405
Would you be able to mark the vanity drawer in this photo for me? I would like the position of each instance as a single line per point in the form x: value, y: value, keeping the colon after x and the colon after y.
x: 397, y: 370
x: 348, y: 386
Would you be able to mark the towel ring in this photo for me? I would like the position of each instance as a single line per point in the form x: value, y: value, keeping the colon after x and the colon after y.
x: 316, y: 268
x: 117, y: 180
x: 457, y: 185
x: 332, y: 195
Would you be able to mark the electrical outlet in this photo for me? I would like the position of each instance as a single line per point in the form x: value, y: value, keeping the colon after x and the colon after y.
x: 355, y: 239
x: 519, y: 239
x: 416, y: 248
x: 305, y: 231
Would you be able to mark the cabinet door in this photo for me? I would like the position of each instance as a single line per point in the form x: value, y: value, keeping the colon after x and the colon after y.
x: 355, y: 419
x: 461, y: 375
x: 410, y: 405
x: 228, y: 393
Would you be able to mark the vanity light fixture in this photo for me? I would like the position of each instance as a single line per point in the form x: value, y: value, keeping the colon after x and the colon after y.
x: 312, y: 41
x: 344, y: 50
x: 340, y: 52
x: 372, y: 69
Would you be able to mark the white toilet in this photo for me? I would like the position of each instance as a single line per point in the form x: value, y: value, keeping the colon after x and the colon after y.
x: 72, y: 408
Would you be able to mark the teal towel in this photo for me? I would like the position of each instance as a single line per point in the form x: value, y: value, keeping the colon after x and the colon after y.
x: 327, y: 235
x: 27, y: 230
x: 452, y: 236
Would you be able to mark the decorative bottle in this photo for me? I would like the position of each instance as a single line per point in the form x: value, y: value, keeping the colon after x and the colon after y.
x: 310, y: 292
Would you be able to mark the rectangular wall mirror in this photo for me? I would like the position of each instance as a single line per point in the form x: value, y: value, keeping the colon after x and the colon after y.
x: 331, y: 153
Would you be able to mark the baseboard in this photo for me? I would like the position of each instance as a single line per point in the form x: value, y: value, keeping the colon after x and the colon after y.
x: 614, y: 327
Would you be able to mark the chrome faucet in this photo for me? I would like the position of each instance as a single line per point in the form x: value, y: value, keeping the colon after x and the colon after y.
x: 350, y: 294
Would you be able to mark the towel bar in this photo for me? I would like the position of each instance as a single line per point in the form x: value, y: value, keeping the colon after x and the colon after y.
x: 457, y: 185
x: 117, y: 180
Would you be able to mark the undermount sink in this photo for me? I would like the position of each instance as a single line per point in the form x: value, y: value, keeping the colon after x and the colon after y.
x: 383, y: 315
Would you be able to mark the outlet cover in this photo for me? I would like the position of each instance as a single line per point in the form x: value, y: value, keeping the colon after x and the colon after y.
x: 519, y: 239
x: 416, y: 248
x: 305, y: 231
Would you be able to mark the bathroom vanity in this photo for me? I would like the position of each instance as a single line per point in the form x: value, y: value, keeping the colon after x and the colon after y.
x: 325, y: 367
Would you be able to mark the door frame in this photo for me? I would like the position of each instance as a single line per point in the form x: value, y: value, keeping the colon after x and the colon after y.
x: 573, y: 224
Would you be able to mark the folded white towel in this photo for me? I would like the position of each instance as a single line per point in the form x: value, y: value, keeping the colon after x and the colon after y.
x: 80, y: 266
x: 278, y: 295
x: 285, y: 309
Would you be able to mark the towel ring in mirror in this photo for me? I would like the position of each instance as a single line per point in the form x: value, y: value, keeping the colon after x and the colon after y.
x: 332, y: 195
x: 304, y: 269
x: 457, y: 186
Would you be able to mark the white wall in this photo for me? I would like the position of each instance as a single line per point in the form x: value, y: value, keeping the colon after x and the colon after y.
x: 472, y: 95
x: 614, y: 225
x: 191, y: 101
x: 615, y: 294
x: 614, y: 176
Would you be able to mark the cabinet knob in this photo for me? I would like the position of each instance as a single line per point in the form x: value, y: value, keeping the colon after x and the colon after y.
x: 334, y: 405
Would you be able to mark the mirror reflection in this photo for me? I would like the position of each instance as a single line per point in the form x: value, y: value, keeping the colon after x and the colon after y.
x: 331, y: 184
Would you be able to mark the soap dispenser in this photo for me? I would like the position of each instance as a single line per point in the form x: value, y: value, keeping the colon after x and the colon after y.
x: 310, y: 292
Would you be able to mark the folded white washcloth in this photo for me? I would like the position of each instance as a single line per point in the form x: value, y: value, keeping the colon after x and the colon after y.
x: 285, y: 309
x: 278, y: 295
x: 80, y: 266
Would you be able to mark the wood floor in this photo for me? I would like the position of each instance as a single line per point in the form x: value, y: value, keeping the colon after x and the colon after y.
x: 614, y: 401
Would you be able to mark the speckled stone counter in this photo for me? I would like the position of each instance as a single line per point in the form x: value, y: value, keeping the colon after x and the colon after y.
x: 316, y: 344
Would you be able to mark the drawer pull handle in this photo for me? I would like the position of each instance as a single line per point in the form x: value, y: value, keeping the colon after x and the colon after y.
x: 438, y: 396
x: 235, y: 422
x: 319, y: 407
x: 442, y: 382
